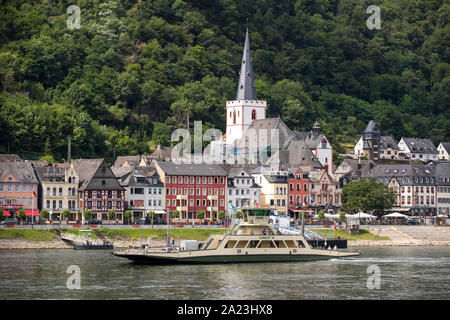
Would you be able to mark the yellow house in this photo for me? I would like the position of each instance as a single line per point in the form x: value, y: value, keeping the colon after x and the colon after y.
x: 59, y: 184
x: 274, y: 188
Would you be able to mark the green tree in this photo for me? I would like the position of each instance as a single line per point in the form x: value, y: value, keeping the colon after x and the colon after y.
x: 200, y: 214
x: 127, y: 215
x: 321, y: 215
x: 367, y: 195
x: 111, y: 214
x: 65, y: 214
x: 87, y: 215
x: 21, y: 214
x: 221, y: 215
x: 44, y: 214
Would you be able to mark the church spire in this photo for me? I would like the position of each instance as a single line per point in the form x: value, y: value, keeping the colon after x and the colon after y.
x: 246, y: 88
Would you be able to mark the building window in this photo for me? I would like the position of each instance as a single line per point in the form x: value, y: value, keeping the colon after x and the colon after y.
x: 119, y: 204
x: 253, y: 114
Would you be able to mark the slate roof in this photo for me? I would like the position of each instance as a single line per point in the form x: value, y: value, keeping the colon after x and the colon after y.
x: 246, y: 89
x: 95, y: 174
x: 416, y: 145
x: 405, y: 174
x: 131, y: 178
x: 254, y: 134
x: 4, y: 157
x: 23, y: 171
x: 185, y: 169
x: 442, y: 170
x: 297, y: 153
x: 388, y: 142
x: 446, y: 146
x: 132, y: 160
x: 51, y: 172
x: 311, y: 140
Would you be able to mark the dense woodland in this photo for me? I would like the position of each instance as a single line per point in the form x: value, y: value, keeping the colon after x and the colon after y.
x: 137, y: 69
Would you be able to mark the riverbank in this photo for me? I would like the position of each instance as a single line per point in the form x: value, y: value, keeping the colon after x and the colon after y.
x: 398, y: 243
x: 391, y: 236
x: 158, y: 243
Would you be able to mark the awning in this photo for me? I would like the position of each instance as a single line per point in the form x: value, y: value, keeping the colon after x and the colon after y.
x: 31, y: 212
x: 300, y: 210
x: 160, y: 212
x: 6, y: 213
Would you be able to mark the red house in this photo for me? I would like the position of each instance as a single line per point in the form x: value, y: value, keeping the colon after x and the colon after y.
x: 298, y: 188
x: 190, y: 188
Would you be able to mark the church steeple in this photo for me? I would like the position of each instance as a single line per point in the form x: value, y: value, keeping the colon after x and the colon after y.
x: 246, y: 88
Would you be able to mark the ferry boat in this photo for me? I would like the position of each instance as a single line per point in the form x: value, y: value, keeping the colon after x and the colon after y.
x: 253, y: 240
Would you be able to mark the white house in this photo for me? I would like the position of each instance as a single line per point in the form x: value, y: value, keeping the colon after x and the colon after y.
x: 444, y: 151
x: 414, y: 148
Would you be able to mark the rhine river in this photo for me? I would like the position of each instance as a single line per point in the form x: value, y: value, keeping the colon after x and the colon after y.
x: 405, y: 273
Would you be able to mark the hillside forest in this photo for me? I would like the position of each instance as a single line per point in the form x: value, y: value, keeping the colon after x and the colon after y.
x: 137, y: 69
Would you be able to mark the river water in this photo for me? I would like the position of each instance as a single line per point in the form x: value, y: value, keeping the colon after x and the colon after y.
x: 404, y: 273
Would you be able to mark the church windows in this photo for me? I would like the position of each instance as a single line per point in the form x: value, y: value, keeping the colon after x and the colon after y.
x: 234, y: 117
x: 253, y: 114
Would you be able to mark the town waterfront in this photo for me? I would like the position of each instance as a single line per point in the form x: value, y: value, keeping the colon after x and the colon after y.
x: 405, y: 273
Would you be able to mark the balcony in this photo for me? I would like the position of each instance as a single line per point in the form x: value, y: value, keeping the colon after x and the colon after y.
x: 182, y: 208
x: 182, y: 197
x: 213, y: 197
x: 209, y: 209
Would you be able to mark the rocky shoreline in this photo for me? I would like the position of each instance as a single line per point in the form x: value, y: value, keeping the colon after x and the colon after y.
x: 156, y: 243
x: 59, y: 244
x: 397, y: 243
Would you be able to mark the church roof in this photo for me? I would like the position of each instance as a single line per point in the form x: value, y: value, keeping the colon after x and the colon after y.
x: 246, y: 88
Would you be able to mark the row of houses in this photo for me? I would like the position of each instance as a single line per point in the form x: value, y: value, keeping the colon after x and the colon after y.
x: 374, y: 146
x: 160, y: 186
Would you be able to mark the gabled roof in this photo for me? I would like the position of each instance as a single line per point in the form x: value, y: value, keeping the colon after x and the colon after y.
x: 95, y: 174
x: 297, y: 153
x: 23, y: 171
x: 388, y: 142
x: 311, y: 140
x: 4, y: 157
x: 131, y: 160
x: 446, y: 146
x: 140, y: 177
x: 416, y: 145
x: 255, y: 133
x: 162, y: 153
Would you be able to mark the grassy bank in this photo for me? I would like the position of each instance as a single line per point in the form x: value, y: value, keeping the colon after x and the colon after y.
x: 27, y: 234
x: 133, y: 234
x: 364, y: 234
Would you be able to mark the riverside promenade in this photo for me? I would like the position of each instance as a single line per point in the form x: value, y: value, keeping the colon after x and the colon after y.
x: 400, y: 235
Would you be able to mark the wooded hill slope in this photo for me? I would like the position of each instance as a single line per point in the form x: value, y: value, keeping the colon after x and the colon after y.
x: 136, y: 69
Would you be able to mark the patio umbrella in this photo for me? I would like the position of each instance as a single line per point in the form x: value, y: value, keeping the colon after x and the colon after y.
x: 396, y: 215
